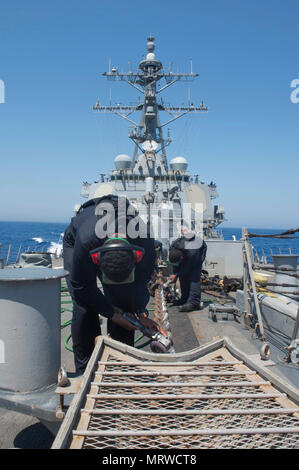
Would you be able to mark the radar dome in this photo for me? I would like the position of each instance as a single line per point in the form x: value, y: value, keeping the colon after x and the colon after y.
x: 122, y: 162
x: 150, y: 56
x: 179, y: 164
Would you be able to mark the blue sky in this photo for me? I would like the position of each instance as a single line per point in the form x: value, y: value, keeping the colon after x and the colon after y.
x: 52, y: 54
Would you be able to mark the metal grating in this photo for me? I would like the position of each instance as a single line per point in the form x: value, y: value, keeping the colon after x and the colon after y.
x: 213, y: 402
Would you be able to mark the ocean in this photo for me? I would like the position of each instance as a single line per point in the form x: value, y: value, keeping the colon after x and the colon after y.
x: 40, y: 236
x: 44, y: 236
x: 266, y: 246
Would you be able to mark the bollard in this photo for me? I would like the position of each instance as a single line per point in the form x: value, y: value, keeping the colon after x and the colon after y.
x: 30, y: 327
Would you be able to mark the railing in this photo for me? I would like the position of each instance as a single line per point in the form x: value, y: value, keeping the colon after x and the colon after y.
x: 285, y: 268
x: 284, y: 264
x: 11, y: 254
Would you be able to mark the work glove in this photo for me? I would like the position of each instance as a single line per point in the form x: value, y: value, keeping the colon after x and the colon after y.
x: 151, y: 325
x: 121, y: 321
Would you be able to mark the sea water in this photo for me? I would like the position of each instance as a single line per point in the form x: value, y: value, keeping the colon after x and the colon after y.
x: 45, y: 236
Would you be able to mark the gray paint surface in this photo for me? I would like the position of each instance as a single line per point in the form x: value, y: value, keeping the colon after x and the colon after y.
x: 224, y: 257
x: 29, y: 328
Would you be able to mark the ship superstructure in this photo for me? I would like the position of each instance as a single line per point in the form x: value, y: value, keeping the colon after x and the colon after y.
x: 146, y: 179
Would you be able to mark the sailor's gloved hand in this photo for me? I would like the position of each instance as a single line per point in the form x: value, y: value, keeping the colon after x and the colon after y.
x: 121, y: 321
x: 172, y: 277
x: 150, y: 324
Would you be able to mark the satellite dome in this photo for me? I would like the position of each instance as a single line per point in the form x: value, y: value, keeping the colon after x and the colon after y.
x: 150, y: 56
x: 122, y: 162
x: 179, y: 164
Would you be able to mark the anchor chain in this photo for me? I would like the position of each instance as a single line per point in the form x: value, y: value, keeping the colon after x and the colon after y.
x: 160, y: 308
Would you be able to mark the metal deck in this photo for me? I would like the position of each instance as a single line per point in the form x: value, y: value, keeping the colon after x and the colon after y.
x: 210, y: 397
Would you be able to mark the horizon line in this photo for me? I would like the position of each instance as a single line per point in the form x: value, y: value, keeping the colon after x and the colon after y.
x: 67, y: 222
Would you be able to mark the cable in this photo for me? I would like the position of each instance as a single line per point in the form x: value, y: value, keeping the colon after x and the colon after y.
x: 139, y: 338
x: 69, y: 348
x: 66, y: 323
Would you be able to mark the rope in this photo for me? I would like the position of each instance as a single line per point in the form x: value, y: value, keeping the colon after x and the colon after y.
x: 278, y: 235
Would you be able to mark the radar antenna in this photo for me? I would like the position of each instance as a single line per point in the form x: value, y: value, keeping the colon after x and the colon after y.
x: 148, y: 134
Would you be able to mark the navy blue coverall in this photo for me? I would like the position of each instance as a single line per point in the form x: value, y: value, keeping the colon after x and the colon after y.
x: 88, y: 301
x: 194, y: 250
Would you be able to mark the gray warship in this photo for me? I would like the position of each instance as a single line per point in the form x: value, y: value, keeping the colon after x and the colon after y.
x: 231, y: 379
x: 159, y: 190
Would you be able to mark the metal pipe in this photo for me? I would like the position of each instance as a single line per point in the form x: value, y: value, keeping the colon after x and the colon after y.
x: 250, y: 270
x: 217, y: 411
x: 158, y: 374
x: 192, y: 396
x: 18, y: 255
x: 190, y: 432
x: 166, y: 364
x: 8, y: 254
x: 180, y: 384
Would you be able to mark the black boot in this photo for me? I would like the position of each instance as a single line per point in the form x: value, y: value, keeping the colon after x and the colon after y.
x: 178, y: 302
x: 189, y: 308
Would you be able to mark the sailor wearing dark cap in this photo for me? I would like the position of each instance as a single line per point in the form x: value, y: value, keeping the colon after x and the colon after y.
x: 186, y: 255
x: 124, y: 267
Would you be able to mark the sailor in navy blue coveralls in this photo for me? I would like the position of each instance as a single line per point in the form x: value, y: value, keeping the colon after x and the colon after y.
x: 188, y: 269
x: 79, y: 239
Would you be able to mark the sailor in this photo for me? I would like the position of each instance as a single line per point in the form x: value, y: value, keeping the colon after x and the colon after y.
x: 123, y: 265
x: 187, y: 254
x: 158, y: 248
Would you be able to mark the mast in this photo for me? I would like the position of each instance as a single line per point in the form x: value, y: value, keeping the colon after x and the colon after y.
x: 148, y: 134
